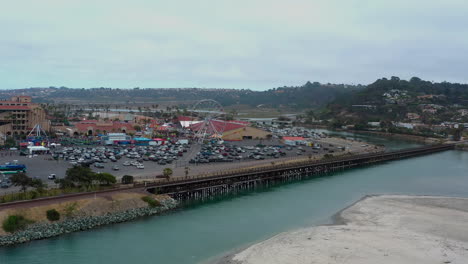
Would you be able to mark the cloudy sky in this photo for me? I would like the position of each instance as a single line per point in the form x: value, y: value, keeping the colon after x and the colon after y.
x: 256, y: 44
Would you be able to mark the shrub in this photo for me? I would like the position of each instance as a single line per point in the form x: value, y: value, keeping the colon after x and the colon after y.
x: 14, y: 223
x: 34, y: 194
x: 53, y: 215
x: 70, y: 209
x: 105, y: 178
x: 150, y: 201
x: 127, y: 179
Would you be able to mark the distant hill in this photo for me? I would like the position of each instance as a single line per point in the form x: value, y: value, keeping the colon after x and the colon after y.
x: 373, y: 93
x: 310, y: 95
x: 392, y: 99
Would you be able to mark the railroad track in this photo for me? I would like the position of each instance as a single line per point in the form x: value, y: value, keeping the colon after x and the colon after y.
x: 236, y: 173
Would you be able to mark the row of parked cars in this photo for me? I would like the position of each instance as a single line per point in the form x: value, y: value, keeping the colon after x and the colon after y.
x: 137, y: 164
x: 162, y: 155
x: 294, y: 132
x: 88, y: 156
x: 269, y: 151
x: 229, y: 153
x: 100, y: 155
x: 5, y: 182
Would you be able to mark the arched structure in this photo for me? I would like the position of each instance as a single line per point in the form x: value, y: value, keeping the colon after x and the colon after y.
x: 211, y: 120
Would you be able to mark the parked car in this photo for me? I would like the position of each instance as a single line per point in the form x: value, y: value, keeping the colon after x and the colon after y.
x: 52, y: 176
x: 5, y: 184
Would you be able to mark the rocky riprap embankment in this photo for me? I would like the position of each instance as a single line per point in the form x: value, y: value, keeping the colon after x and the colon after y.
x: 46, y: 230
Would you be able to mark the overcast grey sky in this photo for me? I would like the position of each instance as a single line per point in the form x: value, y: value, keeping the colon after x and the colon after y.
x: 255, y: 44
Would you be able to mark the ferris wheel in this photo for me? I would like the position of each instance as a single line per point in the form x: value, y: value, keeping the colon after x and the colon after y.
x: 210, y: 115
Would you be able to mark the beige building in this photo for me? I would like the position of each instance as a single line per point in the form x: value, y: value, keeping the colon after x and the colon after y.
x: 19, y: 116
x: 245, y: 133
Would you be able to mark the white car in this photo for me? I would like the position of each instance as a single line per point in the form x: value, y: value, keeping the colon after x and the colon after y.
x: 52, y: 176
x: 141, y: 166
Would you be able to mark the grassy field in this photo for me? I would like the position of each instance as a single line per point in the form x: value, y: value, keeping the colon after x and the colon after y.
x: 244, y: 111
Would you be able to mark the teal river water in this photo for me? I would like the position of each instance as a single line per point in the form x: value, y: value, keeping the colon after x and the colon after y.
x: 200, y: 232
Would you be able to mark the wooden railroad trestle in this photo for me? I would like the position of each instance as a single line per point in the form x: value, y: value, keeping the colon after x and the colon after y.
x: 202, y: 188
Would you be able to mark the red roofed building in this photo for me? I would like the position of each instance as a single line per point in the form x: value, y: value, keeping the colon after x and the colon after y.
x: 245, y: 123
x: 215, y: 126
x: 230, y: 130
x: 19, y: 116
x: 22, y: 99
x: 14, y: 107
x: 185, y: 118
x: 95, y: 127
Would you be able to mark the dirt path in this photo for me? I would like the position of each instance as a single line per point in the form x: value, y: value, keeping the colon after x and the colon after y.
x: 66, y: 198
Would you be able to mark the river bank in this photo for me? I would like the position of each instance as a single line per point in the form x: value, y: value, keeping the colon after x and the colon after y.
x: 81, y: 214
x: 408, y: 137
x: 420, y: 139
x: 463, y: 147
x: 376, y: 229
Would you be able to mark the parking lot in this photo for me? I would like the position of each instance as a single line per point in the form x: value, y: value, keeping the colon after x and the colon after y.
x: 148, y: 161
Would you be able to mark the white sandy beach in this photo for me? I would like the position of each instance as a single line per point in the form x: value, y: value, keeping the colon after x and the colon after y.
x: 377, y: 229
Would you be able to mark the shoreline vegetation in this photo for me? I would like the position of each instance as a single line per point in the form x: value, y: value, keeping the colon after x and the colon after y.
x: 54, y: 219
x: 376, y: 229
x: 416, y: 138
x: 408, y: 137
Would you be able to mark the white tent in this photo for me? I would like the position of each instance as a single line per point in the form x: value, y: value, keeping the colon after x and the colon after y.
x: 186, y: 124
x: 33, y: 149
